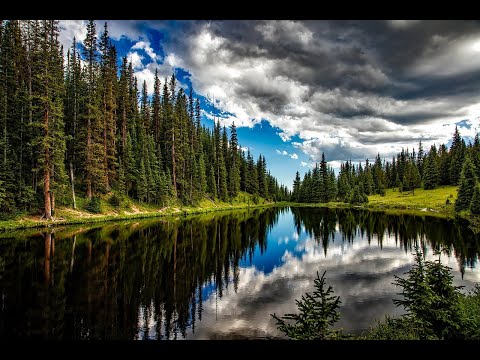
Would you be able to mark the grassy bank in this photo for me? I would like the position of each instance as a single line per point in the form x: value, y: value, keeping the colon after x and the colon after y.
x: 129, y: 210
x: 423, y: 202
x: 436, y: 202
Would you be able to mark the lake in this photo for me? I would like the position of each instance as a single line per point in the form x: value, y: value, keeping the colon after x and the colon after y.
x: 215, y: 276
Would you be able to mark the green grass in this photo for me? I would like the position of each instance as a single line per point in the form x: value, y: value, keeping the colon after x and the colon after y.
x: 130, y: 209
x: 423, y: 202
x: 426, y: 202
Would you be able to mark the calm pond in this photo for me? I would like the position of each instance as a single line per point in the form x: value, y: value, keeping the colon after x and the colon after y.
x: 214, y: 276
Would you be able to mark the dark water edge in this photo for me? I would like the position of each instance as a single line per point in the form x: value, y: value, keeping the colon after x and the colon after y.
x: 214, y: 276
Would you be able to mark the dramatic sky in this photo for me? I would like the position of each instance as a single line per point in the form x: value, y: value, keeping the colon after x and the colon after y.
x: 295, y: 89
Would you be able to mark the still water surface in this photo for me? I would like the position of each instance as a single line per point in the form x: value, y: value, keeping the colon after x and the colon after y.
x: 215, y: 276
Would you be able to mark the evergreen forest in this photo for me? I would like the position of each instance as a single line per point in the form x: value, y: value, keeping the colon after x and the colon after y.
x: 76, y: 123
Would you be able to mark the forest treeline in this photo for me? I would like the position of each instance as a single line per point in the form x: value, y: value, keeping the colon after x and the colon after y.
x: 79, y: 124
x: 457, y: 165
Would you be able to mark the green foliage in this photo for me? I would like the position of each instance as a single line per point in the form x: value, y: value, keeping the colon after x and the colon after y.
x: 358, y: 196
x: 475, y: 203
x: 403, y: 328
x: 88, y: 112
x: 430, y: 299
x: 2, y: 193
x: 94, y: 205
x: 435, y: 309
x: 318, y: 312
x: 431, y: 171
x: 115, y: 200
x: 468, y: 181
x: 470, y: 312
x: 457, y: 157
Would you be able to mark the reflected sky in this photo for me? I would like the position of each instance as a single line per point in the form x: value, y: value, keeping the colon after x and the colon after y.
x: 215, y: 276
x: 361, y: 273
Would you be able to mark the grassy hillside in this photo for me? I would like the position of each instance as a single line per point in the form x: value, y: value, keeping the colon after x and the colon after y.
x: 126, y: 208
x: 437, y: 201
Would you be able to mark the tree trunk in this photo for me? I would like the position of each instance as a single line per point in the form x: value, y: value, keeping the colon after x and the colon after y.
x: 124, y: 130
x: 73, y: 185
x: 74, y: 120
x: 52, y: 193
x: 46, y: 165
x: 89, y: 157
x: 46, y: 176
x: 52, y: 198
x: 105, y: 161
x: 173, y: 162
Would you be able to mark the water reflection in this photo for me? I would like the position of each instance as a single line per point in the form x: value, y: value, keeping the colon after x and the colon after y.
x: 213, y: 276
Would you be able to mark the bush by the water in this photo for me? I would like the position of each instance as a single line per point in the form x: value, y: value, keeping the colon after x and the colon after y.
x: 115, y: 200
x: 94, y: 205
x: 318, y: 312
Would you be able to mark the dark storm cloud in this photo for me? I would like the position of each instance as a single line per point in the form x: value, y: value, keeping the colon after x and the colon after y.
x: 315, y: 77
x: 369, y: 139
x: 344, y: 54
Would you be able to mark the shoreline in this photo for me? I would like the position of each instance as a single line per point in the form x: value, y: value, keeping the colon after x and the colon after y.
x: 8, y: 225
x: 396, y: 210
x: 424, y: 203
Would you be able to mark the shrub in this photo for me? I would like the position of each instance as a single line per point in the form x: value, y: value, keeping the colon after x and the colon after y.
x: 403, y: 328
x: 430, y: 299
x: 475, y: 202
x: 94, y: 205
x: 318, y: 312
x: 470, y: 310
x: 115, y: 200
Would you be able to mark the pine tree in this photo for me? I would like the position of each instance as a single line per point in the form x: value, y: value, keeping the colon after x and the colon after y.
x: 129, y: 166
x: 444, y: 165
x: 428, y: 295
x: 323, y: 180
x: 202, y: 175
x: 331, y: 186
x: 170, y: 130
x: 318, y: 312
x: 88, y: 116
x: 475, y: 203
x: 211, y: 183
x: 468, y: 181
x: 94, y: 150
x: 234, y: 169
x: 420, y: 158
x: 457, y: 153
x: 107, y: 91
x: 262, y: 173
x: 243, y: 172
x: 475, y: 154
x: 13, y: 109
x: 431, y: 173
x: 296, y: 188
x: 121, y: 186
x: 369, y: 185
x: 142, y: 189
x: 222, y: 179
x: 48, y: 113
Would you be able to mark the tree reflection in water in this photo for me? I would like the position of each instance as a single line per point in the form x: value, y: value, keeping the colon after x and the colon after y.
x: 149, y: 279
